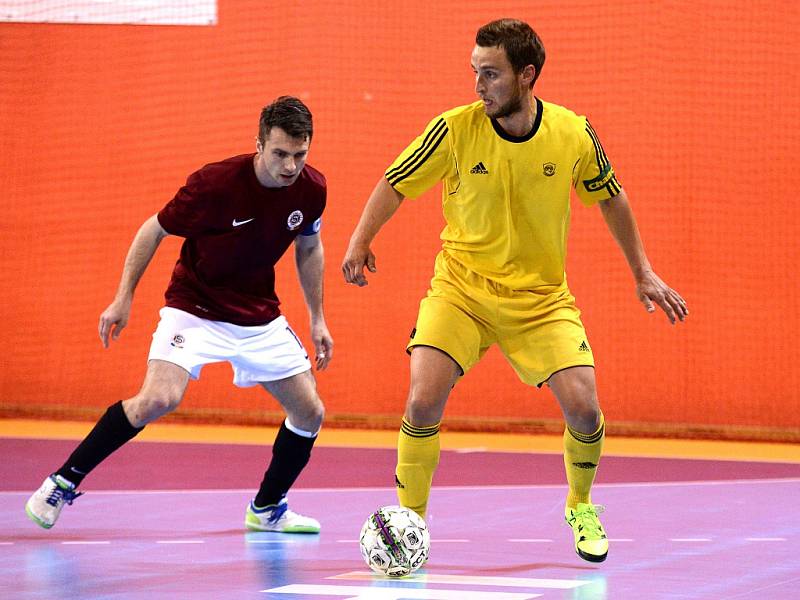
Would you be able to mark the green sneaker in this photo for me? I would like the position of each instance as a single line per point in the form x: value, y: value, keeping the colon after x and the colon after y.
x: 278, y: 517
x: 590, y: 539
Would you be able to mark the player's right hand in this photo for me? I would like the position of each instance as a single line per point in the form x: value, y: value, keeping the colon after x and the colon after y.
x: 355, y: 259
x: 113, y: 321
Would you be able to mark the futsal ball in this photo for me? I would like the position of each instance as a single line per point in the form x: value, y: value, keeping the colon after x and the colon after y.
x: 395, y: 541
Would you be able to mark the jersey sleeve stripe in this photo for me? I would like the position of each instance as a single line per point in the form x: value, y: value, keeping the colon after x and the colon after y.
x: 602, y: 161
x: 592, y: 133
x: 612, y: 187
x: 420, y: 155
x: 400, y: 177
x: 425, y: 142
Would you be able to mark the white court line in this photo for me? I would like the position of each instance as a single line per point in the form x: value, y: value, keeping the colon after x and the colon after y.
x: 557, y: 486
x: 526, y: 582
x: 354, y: 592
x: 249, y: 491
x: 86, y: 543
x: 434, y: 540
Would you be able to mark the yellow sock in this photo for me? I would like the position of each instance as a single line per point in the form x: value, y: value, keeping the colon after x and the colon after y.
x: 581, y: 457
x: 417, y: 459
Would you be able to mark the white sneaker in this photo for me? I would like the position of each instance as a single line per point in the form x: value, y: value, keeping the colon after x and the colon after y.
x: 278, y: 517
x: 46, y: 503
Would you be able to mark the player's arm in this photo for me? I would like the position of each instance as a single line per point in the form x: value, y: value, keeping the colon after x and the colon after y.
x: 309, y: 258
x: 650, y: 288
x: 144, y: 246
x: 382, y: 204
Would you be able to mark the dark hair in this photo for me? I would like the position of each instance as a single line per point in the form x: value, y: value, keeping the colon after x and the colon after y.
x: 288, y: 113
x: 523, y: 47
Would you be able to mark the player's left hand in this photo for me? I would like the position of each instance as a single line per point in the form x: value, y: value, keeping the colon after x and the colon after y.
x: 356, y: 258
x: 652, y: 290
x: 323, y: 345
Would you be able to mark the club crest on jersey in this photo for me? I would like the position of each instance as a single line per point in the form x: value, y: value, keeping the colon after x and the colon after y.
x: 295, y: 220
x: 549, y: 169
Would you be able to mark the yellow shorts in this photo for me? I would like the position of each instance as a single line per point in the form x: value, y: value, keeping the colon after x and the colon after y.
x: 465, y: 313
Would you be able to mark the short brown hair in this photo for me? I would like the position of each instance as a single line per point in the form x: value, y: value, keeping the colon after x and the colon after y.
x: 288, y: 113
x: 521, y: 43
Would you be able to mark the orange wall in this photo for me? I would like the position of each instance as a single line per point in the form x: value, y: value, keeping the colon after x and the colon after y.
x: 698, y: 105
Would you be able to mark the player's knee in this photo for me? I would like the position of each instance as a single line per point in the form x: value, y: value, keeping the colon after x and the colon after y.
x: 309, y: 416
x: 149, y: 407
x: 422, y: 411
x: 317, y: 414
x: 583, y: 417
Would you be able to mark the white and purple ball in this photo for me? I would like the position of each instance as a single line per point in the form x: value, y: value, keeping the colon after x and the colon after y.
x: 395, y: 541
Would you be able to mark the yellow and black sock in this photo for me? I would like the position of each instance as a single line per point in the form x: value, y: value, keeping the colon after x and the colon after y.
x: 417, y: 459
x: 581, y: 457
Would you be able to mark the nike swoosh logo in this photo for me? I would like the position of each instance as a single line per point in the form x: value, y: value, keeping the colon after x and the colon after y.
x: 237, y: 223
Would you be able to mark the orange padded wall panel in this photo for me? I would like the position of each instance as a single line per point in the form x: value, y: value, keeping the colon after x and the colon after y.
x: 697, y: 104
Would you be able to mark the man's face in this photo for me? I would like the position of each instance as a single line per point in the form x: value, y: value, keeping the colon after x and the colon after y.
x: 280, y: 158
x: 501, y: 90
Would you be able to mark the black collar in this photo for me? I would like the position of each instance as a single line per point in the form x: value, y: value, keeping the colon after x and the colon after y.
x: 518, y: 139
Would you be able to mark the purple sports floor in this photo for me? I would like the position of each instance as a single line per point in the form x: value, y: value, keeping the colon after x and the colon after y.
x: 164, y: 520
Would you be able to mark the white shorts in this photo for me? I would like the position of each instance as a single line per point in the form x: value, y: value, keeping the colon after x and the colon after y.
x: 261, y: 353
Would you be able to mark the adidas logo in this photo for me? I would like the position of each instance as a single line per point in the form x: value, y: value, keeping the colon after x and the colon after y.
x: 479, y: 169
x: 584, y: 347
x: 585, y: 465
x: 397, y: 482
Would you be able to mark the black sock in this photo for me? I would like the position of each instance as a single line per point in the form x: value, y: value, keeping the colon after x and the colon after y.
x: 290, y: 454
x: 111, y: 431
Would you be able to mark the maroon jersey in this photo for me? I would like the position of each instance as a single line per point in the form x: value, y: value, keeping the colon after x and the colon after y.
x: 236, y: 230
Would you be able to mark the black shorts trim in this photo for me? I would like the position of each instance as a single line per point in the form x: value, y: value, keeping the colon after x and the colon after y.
x: 538, y: 385
x: 460, y: 368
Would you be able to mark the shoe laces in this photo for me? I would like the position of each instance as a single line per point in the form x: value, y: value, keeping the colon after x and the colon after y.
x: 278, y: 512
x: 587, y: 521
x: 60, y: 494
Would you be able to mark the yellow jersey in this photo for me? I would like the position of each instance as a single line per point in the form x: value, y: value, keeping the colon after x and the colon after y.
x: 506, y: 199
